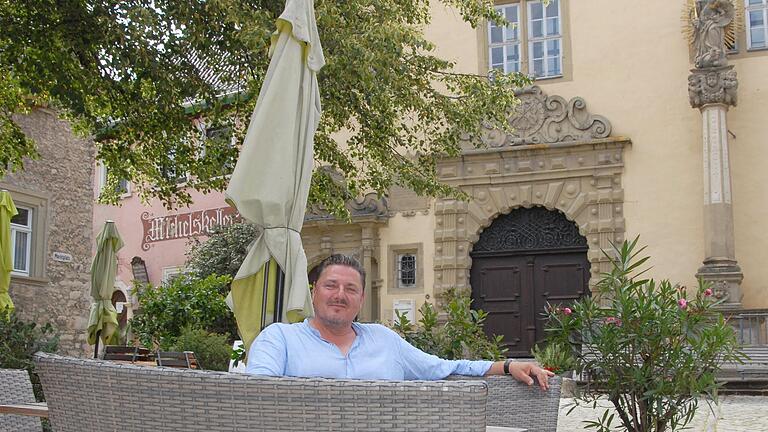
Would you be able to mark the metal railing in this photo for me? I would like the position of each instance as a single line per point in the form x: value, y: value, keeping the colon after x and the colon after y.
x: 751, y: 326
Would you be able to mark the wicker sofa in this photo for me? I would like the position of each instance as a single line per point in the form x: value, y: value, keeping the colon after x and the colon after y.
x: 86, y: 394
x: 16, y: 388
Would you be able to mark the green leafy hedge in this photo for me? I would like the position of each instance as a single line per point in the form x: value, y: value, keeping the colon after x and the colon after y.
x: 165, y: 310
x: 213, y: 350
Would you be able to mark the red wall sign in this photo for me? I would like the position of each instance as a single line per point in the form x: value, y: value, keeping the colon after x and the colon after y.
x: 184, y: 225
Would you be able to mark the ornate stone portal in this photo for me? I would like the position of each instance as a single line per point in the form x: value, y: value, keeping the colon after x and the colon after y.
x: 712, y: 87
x: 323, y: 235
x: 560, y: 157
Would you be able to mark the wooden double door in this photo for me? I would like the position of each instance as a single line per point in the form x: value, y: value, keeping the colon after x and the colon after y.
x: 520, y: 264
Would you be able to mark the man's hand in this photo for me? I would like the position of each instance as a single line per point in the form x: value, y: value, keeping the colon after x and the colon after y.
x: 524, y: 371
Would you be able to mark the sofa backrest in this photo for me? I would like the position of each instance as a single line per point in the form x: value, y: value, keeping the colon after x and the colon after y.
x: 16, y: 388
x: 513, y: 404
x: 87, y: 394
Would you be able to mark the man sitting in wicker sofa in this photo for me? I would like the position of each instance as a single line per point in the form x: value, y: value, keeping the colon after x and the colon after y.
x: 333, y: 345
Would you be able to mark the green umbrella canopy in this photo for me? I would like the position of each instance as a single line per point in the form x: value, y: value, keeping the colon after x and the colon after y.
x: 7, y: 211
x: 103, y: 270
x: 270, y: 183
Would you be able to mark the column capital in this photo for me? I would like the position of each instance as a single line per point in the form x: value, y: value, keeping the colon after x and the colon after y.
x: 712, y: 86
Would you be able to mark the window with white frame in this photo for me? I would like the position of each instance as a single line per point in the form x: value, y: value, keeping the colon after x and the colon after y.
x: 756, y: 15
x: 123, y: 187
x: 406, y: 270
x: 532, y: 42
x: 21, y: 241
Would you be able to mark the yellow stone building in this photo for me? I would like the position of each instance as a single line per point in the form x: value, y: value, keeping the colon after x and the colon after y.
x: 608, y: 147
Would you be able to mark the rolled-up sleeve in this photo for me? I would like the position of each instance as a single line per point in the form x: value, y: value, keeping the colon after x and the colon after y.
x: 419, y: 365
x: 267, y: 355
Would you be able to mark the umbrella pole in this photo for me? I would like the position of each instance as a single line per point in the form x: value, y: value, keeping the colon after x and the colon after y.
x: 264, y: 296
x: 96, y: 347
x: 279, y: 295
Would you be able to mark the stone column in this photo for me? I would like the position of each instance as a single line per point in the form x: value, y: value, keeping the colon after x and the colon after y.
x: 368, y: 232
x: 713, y: 90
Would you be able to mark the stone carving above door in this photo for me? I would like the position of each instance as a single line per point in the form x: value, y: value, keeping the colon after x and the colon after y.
x: 541, y: 119
x: 536, y: 228
x: 582, y: 179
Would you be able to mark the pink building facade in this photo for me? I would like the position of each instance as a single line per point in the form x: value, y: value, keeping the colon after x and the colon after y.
x: 156, y: 238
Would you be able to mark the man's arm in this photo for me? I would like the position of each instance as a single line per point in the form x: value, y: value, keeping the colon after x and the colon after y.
x: 268, y: 354
x: 523, y: 372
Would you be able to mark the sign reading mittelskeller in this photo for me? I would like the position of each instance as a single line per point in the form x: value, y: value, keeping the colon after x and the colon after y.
x: 184, y: 225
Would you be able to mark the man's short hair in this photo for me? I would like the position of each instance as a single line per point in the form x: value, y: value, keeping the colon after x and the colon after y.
x: 342, y: 260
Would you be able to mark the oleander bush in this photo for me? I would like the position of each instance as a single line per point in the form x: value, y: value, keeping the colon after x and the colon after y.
x: 650, y: 348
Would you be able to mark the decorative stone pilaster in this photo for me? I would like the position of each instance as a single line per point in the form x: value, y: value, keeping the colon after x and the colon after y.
x: 712, y: 91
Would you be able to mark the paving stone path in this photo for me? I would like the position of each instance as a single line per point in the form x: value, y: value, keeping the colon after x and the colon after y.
x: 733, y: 414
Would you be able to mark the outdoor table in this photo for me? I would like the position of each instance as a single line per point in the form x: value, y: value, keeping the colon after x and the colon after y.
x: 37, y: 409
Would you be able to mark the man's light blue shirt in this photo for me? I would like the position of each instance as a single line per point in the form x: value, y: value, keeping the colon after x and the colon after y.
x: 297, y: 350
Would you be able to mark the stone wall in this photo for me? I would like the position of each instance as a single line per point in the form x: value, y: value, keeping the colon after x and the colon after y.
x: 59, y: 187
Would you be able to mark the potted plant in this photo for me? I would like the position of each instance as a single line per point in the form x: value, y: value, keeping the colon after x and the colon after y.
x: 650, y: 348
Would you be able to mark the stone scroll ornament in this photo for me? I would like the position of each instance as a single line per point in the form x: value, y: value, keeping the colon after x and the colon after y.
x: 711, y: 27
x: 543, y: 119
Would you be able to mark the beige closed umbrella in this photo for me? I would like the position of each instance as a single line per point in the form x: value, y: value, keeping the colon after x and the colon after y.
x: 7, y: 211
x: 102, y: 323
x: 270, y: 184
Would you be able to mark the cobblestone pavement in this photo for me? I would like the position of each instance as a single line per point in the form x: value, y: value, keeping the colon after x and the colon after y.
x: 734, y: 414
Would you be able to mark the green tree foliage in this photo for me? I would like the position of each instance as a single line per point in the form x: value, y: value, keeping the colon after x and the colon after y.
x: 136, y: 71
x: 165, y: 310
x: 460, y: 337
x: 223, y: 252
x: 652, y: 349
x: 212, y: 350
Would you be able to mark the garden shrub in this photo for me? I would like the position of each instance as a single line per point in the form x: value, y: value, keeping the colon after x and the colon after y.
x: 165, y: 310
x: 212, y: 350
x: 651, y: 349
x: 460, y: 337
x: 20, y: 340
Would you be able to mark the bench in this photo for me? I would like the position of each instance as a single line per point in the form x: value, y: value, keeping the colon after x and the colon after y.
x: 87, y: 394
x: 177, y: 359
x: 125, y: 353
x: 754, y: 368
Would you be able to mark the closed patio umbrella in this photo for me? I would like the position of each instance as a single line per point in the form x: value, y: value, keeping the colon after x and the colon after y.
x: 102, y: 322
x: 270, y: 183
x: 7, y: 211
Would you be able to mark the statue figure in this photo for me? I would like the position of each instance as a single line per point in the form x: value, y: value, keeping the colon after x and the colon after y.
x: 709, y: 32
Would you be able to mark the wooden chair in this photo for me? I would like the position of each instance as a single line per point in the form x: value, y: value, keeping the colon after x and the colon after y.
x: 125, y: 353
x: 177, y: 359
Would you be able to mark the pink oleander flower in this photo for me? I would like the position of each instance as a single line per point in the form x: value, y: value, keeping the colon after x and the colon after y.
x: 683, y: 303
x: 613, y: 320
x: 708, y: 292
x: 567, y: 311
